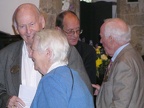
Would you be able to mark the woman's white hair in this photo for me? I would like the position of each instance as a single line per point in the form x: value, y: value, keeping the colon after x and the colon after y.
x: 55, y: 41
x: 118, y: 29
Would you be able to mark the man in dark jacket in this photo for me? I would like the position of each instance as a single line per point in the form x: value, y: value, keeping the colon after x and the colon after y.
x: 69, y: 23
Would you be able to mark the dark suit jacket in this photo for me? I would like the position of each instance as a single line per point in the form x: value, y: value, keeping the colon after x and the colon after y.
x: 10, y: 70
x: 88, y: 55
x: 124, y: 87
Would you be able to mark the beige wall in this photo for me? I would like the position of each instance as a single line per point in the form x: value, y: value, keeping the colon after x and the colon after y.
x: 133, y: 14
x: 7, y: 8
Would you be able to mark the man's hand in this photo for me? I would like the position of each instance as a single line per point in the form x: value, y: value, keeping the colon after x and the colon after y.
x: 97, y: 87
x: 15, y: 102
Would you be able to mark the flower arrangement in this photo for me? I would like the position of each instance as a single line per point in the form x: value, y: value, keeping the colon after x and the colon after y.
x: 102, y: 62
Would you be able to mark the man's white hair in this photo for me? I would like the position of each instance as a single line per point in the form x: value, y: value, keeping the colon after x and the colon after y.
x: 118, y: 30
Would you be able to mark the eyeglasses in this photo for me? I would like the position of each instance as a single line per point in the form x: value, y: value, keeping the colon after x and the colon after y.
x: 72, y: 32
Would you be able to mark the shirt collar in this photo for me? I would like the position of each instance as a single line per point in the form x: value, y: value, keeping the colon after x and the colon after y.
x: 118, y: 51
x: 56, y: 64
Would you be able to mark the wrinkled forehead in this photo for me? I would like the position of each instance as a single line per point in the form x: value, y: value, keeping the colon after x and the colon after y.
x: 25, y: 11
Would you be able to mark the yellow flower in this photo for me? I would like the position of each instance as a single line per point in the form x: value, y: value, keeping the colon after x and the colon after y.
x: 98, y: 50
x: 102, y: 62
x: 104, y: 57
x: 99, y: 47
x: 98, y: 62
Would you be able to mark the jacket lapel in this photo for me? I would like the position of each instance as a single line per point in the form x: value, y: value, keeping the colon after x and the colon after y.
x: 127, y: 48
x: 16, y: 66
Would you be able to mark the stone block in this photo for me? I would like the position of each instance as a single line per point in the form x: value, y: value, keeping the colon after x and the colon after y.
x: 138, y: 38
x: 128, y: 8
x: 51, y: 8
x: 134, y: 19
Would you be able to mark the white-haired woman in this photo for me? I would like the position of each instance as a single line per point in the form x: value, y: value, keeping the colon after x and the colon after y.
x: 60, y: 87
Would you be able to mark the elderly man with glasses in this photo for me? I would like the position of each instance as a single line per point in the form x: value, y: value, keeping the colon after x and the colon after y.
x: 69, y: 23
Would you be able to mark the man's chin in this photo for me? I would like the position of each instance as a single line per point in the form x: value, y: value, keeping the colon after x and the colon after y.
x: 73, y: 43
x: 36, y: 68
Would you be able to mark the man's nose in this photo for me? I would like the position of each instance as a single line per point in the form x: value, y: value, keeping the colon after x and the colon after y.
x: 28, y: 29
x: 75, y: 34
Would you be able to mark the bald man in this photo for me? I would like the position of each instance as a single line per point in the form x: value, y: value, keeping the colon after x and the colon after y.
x: 16, y: 67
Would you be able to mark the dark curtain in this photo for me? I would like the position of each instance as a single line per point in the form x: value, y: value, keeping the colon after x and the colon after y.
x: 92, y: 15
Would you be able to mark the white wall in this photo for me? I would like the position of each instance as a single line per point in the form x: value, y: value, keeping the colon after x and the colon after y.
x: 7, y: 8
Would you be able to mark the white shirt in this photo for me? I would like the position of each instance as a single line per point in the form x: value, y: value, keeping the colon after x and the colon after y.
x: 30, y: 77
x: 56, y: 64
x: 118, y: 51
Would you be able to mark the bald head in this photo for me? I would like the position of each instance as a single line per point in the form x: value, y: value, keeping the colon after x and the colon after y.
x: 24, y: 10
x: 65, y: 16
x: 69, y: 19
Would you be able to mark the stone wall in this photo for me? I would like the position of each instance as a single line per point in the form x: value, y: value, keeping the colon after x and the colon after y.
x: 50, y: 9
x: 133, y: 14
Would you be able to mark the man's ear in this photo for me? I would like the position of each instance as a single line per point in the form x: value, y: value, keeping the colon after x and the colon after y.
x: 48, y: 53
x: 14, y: 27
x: 43, y: 21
